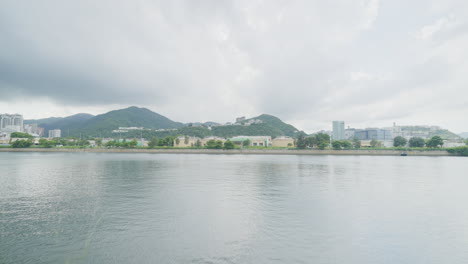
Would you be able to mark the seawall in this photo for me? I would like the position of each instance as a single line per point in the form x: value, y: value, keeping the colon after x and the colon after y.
x: 367, y: 152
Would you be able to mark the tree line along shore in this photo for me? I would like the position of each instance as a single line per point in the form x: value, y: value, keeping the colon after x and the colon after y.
x: 318, y: 142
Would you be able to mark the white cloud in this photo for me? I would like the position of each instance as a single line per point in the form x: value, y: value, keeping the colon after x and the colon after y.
x: 442, y: 24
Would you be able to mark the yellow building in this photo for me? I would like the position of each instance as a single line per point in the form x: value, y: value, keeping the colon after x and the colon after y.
x: 205, y: 140
x: 283, y: 142
x: 186, y: 142
x: 366, y: 144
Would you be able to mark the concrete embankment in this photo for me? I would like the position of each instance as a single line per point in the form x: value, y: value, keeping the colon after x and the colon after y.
x: 367, y: 152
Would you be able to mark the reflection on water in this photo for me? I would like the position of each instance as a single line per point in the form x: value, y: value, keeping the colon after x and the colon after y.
x: 144, y: 208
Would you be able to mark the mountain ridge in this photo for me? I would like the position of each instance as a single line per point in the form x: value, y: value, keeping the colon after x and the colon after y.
x: 103, y: 124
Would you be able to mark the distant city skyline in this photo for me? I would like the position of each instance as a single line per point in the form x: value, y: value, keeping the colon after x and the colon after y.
x: 369, y: 63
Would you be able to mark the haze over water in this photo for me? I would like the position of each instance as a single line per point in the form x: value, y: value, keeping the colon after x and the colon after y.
x: 156, y: 208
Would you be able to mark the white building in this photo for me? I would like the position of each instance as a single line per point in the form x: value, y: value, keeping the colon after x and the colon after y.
x: 11, y: 123
x: 338, y: 130
x: 55, y: 133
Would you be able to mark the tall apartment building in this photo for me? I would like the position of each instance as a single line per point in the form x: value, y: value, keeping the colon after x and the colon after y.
x: 338, y: 130
x: 55, y: 133
x: 11, y: 123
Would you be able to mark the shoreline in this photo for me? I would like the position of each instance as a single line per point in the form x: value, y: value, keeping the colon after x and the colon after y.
x: 358, y: 152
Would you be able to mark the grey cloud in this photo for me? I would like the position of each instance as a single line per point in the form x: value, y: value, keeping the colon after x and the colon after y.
x: 215, y: 60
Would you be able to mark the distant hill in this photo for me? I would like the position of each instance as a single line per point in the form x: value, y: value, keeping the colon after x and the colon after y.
x: 271, y: 126
x: 443, y: 133
x: 102, y: 125
x: 87, y: 125
x: 43, y: 121
x: 463, y: 135
x: 209, y: 123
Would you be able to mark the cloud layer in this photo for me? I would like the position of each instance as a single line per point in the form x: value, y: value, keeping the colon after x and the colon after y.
x: 367, y: 62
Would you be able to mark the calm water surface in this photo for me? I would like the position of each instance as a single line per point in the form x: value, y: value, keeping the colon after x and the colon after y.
x: 154, y: 208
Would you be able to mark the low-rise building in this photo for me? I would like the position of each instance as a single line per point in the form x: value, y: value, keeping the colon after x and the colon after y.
x: 55, y: 133
x: 373, y: 133
x: 283, y: 142
x: 365, y: 144
x: 255, y: 141
x: 205, y: 140
x: 186, y: 142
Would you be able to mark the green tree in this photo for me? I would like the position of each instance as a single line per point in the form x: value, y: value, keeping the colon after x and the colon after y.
x: 301, y: 142
x: 246, y: 143
x: 132, y: 143
x: 228, y: 144
x: 214, y: 144
x: 198, y: 143
x: 346, y: 144
x: 416, y: 142
x: 399, y: 141
x: 462, y: 151
x: 336, y: 145
x: 311, y: 141
x: 356, y: 143
x: 46, y: 143
x: 82, y: 143
x: 22, y: 143
x: 20, y: 135
x: 170, y: 141
x: 322, y: 145
x: 321, y: 137
x: 153, y: 142
x: 111, y: 143
x: 435, y: 142
x: 376, y: 144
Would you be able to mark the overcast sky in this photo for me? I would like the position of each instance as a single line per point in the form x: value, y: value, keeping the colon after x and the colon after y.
x: 367, y: 62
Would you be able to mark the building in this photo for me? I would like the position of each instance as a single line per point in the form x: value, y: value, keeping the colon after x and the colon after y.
x: 338, y: 130
x: 11, y: 123
x: 55, y: 133
x: 283, y: 142
x: 374, y: 133
x: 205, y: 140
x: 240, y: 119
x: 255, y: 141
x: 186, y: 142
x: 33, y: 129
x: 349, y: 133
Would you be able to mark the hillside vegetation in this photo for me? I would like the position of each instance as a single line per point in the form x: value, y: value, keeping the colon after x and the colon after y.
x: 102, y: 125
x: 87, y: 126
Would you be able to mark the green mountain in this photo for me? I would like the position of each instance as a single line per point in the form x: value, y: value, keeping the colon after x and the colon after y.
x: 270, y: 126
x: 86, y: 125
x: 102, y: 125
x: 42, y: 122
x: 70, y: 122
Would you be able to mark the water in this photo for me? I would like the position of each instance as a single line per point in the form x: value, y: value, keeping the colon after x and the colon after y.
x: 154, y: 208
